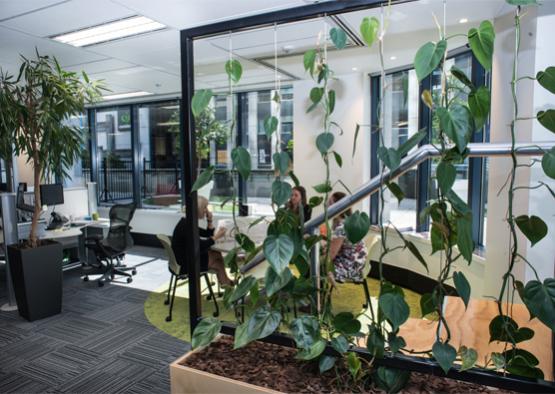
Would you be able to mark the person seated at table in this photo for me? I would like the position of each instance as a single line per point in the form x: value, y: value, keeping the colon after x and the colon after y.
x: 209, y: 259
x: 348, y: 258
x: 298, y: 199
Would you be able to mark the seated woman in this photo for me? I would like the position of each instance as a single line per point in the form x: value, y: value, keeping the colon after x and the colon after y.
x: 209, y: 259
x: 298, y: 199
x: 348, y: 258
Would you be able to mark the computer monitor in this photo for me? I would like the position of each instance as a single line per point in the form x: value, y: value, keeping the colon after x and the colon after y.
x: 52, y: 194
x: 20, y: 198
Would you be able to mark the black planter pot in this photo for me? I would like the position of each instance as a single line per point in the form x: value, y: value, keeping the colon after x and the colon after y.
x: 37, y: 279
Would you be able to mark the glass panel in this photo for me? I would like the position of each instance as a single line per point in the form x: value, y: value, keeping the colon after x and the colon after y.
x: 400, y: 123
x: 113, y: 136
x: 160, y: 165
x: 80, y: 173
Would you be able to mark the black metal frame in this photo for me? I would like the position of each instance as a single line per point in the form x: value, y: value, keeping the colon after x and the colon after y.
x: 188, y: 175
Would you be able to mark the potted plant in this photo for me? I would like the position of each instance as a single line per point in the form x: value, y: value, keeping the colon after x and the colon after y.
x: 327, y: 339
x: 34, y: 107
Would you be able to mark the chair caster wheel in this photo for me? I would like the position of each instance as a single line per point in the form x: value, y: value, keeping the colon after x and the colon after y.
x: 86, y: 279
x: 129, y: 280
x: 100, y: 284
x: 168, y: 318
x: 134, y: 272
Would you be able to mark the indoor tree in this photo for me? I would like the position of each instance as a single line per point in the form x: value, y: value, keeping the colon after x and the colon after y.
x: 34, y: 107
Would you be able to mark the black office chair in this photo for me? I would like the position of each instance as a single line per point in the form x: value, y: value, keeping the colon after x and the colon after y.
x: 113, y: 247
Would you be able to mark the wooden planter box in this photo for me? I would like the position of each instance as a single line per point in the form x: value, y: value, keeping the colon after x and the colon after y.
x: 189, y: 380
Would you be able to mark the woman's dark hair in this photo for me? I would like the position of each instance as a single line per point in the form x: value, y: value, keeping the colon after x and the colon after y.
x: 302, y: 191
x: 338, y: 196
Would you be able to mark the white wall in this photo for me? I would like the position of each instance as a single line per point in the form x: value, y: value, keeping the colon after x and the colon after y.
x: 352, y: 107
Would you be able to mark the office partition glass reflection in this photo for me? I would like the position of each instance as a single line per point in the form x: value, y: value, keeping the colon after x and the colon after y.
x: 159, y: 162
x: 115, y: 155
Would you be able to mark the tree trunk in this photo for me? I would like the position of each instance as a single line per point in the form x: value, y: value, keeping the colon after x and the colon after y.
x: 33, y: 240
x: 9, y: 176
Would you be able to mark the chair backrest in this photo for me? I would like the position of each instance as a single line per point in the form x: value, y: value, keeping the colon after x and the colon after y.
x: 119, y: 235
x: 172, y: 261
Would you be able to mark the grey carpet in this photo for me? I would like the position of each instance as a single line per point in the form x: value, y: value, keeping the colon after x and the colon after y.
x: 100, y: 343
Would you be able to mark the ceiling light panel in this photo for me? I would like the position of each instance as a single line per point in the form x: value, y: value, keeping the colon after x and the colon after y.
x: 110, y: 31
x: 125, y: 95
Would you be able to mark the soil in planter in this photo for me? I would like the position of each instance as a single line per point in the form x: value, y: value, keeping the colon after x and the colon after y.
x: 275, y: 367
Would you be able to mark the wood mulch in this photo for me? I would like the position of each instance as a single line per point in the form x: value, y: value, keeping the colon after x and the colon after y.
x: 275, y: 367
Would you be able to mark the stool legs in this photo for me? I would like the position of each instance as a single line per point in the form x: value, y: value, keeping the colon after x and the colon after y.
x: 169, y: 318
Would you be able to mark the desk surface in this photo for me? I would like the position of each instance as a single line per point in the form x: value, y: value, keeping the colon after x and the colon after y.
x: 74, y: 231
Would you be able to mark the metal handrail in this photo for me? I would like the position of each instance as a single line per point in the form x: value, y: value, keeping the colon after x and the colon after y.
x: 420, y: 155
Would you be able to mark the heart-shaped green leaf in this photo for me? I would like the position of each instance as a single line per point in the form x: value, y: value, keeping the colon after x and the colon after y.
x: 547, y: 78
x: 444, y: 354
x: 206, y: 331
x: 396, y: 191
x: 234, y: 70
x: 391, y: 380
x: 338, y: 37
x: 241, y: 336
x: 309, y: 60
x: 481, y: 43
x: 479, y: 105
x: 262, y: 323
x: 242, y: 288
x: 331, y: 101
x: 324, y: 142
x: 338, y: 159
x: 203, y: 179
x: 281, y: 162
x: 394, y: 308
x: 469, y: 357
x: 305, y: 331
x: 390, y: 157
x: 241, y: 159
x: 278, y: 250
x: 245, y: 242
x: 540, y: 300
x: 395, y: 342
x: 416, y: 253
x: 413, y: 141
x: 323, y: 188
x: 464, y: 237
x: 428, y: 58
x: 547, y: 119
x: 461, y: 76
x: 200, y: 101
x: 270, y: 125
x: 326, y: 363
x: 316, y: 95
x: 312, y: 352
x: 456, y: 123
x: 446, y: 174
x: 274, y: 282
x: 369, y: 30
x: 346, y: 323
x: 340, y: 344
x: 356, y: 226
x: 462, y: 286
x: 427, y: 304
x: 548, y: 163
x: 281, y: 192
x: 533, y: 227
x: 375, y: 342
x: 504, y: 329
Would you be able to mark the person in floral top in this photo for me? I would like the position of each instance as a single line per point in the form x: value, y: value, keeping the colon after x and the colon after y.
x: 348, y: 258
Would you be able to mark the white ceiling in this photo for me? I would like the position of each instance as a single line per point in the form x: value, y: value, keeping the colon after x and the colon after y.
x: 151, y: 62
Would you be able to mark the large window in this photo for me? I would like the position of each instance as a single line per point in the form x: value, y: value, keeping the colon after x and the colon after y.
x: 115, y: 155
x: 80, y: 173
x: 159, y: 161
x: 403, y: 116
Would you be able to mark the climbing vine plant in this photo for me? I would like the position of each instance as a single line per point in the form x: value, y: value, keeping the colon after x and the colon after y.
x: 459, y: 110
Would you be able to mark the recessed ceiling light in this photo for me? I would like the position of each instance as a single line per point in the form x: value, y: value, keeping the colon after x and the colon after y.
x: 109, y: 31
x: 125, y: 95
x: 463, y: 20
x: 393, y: 58
x: 354, y: 69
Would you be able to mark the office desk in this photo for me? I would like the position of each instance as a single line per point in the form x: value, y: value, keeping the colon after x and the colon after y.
x: 73, y: 238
